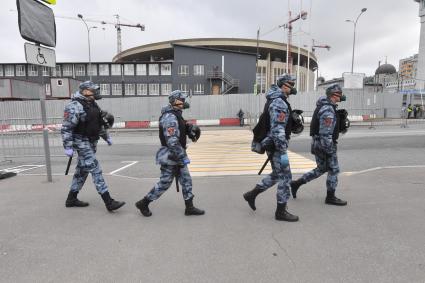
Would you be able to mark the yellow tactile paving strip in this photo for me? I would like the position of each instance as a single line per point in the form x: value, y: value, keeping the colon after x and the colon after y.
x: 228, y: 152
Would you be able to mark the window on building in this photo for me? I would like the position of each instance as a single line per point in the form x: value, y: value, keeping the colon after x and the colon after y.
x: 198, y: 88
x: 153, y: 69
x: 92, y: 70
x: 165, y: 89
x: 129, y: 89
x: 20, y: 70
x: 32, y: 70
x: 48, y: 89
x: 46, y: 71
x: 116, y: 89
x: 116, y: 70
x: 1, y: 70
x: 103, y: 70
x: 104, y: 89
x: 153, y: 89
x: 129, y: 69
x: 80, y: 70
x: 198, y: 70
x: 184, y: 88
x: 57, y: 71
x: 183, y: 70
x: 165, y: 69
x: 141, y: 69
x: 142, y: 89
x: 67, y: 70
x: 9, y: 71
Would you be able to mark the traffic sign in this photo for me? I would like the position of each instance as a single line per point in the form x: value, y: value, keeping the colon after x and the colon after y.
x: 38, y: 55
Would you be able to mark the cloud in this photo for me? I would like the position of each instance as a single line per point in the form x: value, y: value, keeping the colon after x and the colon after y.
x: 388, y: 28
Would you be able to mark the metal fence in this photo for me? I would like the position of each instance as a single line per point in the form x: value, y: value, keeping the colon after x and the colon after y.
x: 23, y: 137
x: 21, y: 127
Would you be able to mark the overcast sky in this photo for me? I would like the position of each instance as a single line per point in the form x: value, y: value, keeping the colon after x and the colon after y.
x: 388, y: 29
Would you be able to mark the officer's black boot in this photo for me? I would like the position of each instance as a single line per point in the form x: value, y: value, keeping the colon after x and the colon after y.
x: 332, y: 199
x: 283, y: 215
x: 191, y: 210
x: 73, y: 201
x: 142, y: 205
x: 110, y: 203
x: 251, y: 195
x: 295, y: 185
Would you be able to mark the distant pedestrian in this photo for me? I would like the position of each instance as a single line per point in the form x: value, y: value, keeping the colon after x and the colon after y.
x: 403, y: 112
x: 415, y: 111
x: 241, y: 117
x: 409, y: 111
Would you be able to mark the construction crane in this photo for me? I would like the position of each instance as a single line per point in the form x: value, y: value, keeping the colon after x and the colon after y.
x: 313, y: 46
x: 117, y: 26
x: 302, y: 15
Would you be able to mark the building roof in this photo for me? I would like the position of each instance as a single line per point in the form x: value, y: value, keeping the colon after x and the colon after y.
x: 164, y: 50
x: 385, y: 69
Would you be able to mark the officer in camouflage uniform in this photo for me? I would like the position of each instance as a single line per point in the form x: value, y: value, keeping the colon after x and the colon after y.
x: 324, y: 132
x: 172, y: 155
x: 81, y: 128
x: 279, y: 134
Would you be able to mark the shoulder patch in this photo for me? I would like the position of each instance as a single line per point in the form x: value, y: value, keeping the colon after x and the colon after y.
x: 328, y: 121
x: 281, y: 117
x: 170, y: 131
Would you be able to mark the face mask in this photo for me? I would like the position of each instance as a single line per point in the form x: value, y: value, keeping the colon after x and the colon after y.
x: 342, y: 98
x: 186, y: 105
x: 293, y: 91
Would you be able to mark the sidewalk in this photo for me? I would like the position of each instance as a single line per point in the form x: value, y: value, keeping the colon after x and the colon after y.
x: 378, y: 237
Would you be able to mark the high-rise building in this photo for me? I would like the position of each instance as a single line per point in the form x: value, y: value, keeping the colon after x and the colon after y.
x: 408, y: 67
x: 420, y: 75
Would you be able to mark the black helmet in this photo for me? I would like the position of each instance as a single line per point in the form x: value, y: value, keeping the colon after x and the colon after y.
x: 335, y: 88
x: 285, y: 79
x: 297, y: 125
x: 193, y: 132
x: 107, y: 119
x: 92, y: 87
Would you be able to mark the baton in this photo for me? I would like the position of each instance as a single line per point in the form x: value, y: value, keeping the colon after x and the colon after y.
x: 264, y: 165
x: 67, y: 166
x: 177, y: 179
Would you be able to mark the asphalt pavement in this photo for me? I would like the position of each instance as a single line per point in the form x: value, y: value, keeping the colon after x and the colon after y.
x: 378, y: 237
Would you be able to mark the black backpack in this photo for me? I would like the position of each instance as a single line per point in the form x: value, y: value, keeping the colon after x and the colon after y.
x: 261, y: 129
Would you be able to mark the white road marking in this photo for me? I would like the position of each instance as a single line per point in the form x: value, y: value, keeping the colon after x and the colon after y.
x: 22, y: 168
x: 124, y: 167
x: 381, y: 168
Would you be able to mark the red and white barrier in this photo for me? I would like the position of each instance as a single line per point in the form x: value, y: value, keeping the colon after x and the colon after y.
x: 154, y: 124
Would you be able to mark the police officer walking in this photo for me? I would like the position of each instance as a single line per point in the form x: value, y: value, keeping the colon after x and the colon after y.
x: 172, y: 155
x: 324, y: 131
x: 279, y: 111
x: 81, y: 129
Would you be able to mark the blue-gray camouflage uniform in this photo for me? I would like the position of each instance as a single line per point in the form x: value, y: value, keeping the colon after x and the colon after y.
x: 171, y: 158
x: 87, y: 163
x: 324, y: 147
x: 281, y: 174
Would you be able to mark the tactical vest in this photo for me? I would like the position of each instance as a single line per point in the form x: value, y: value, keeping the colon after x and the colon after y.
x: 315, y: 123
x: 288, y: 127
x: 92, y: 125
x: 263, y: 126
x: 182, y: 128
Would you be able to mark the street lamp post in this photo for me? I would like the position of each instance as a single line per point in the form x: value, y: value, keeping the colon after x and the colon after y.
x: 88, y: 40
x: 354, y: 36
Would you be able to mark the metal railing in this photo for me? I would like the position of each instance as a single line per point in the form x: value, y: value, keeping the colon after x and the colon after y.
x: 228, y: 79
x: 23, y: 137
